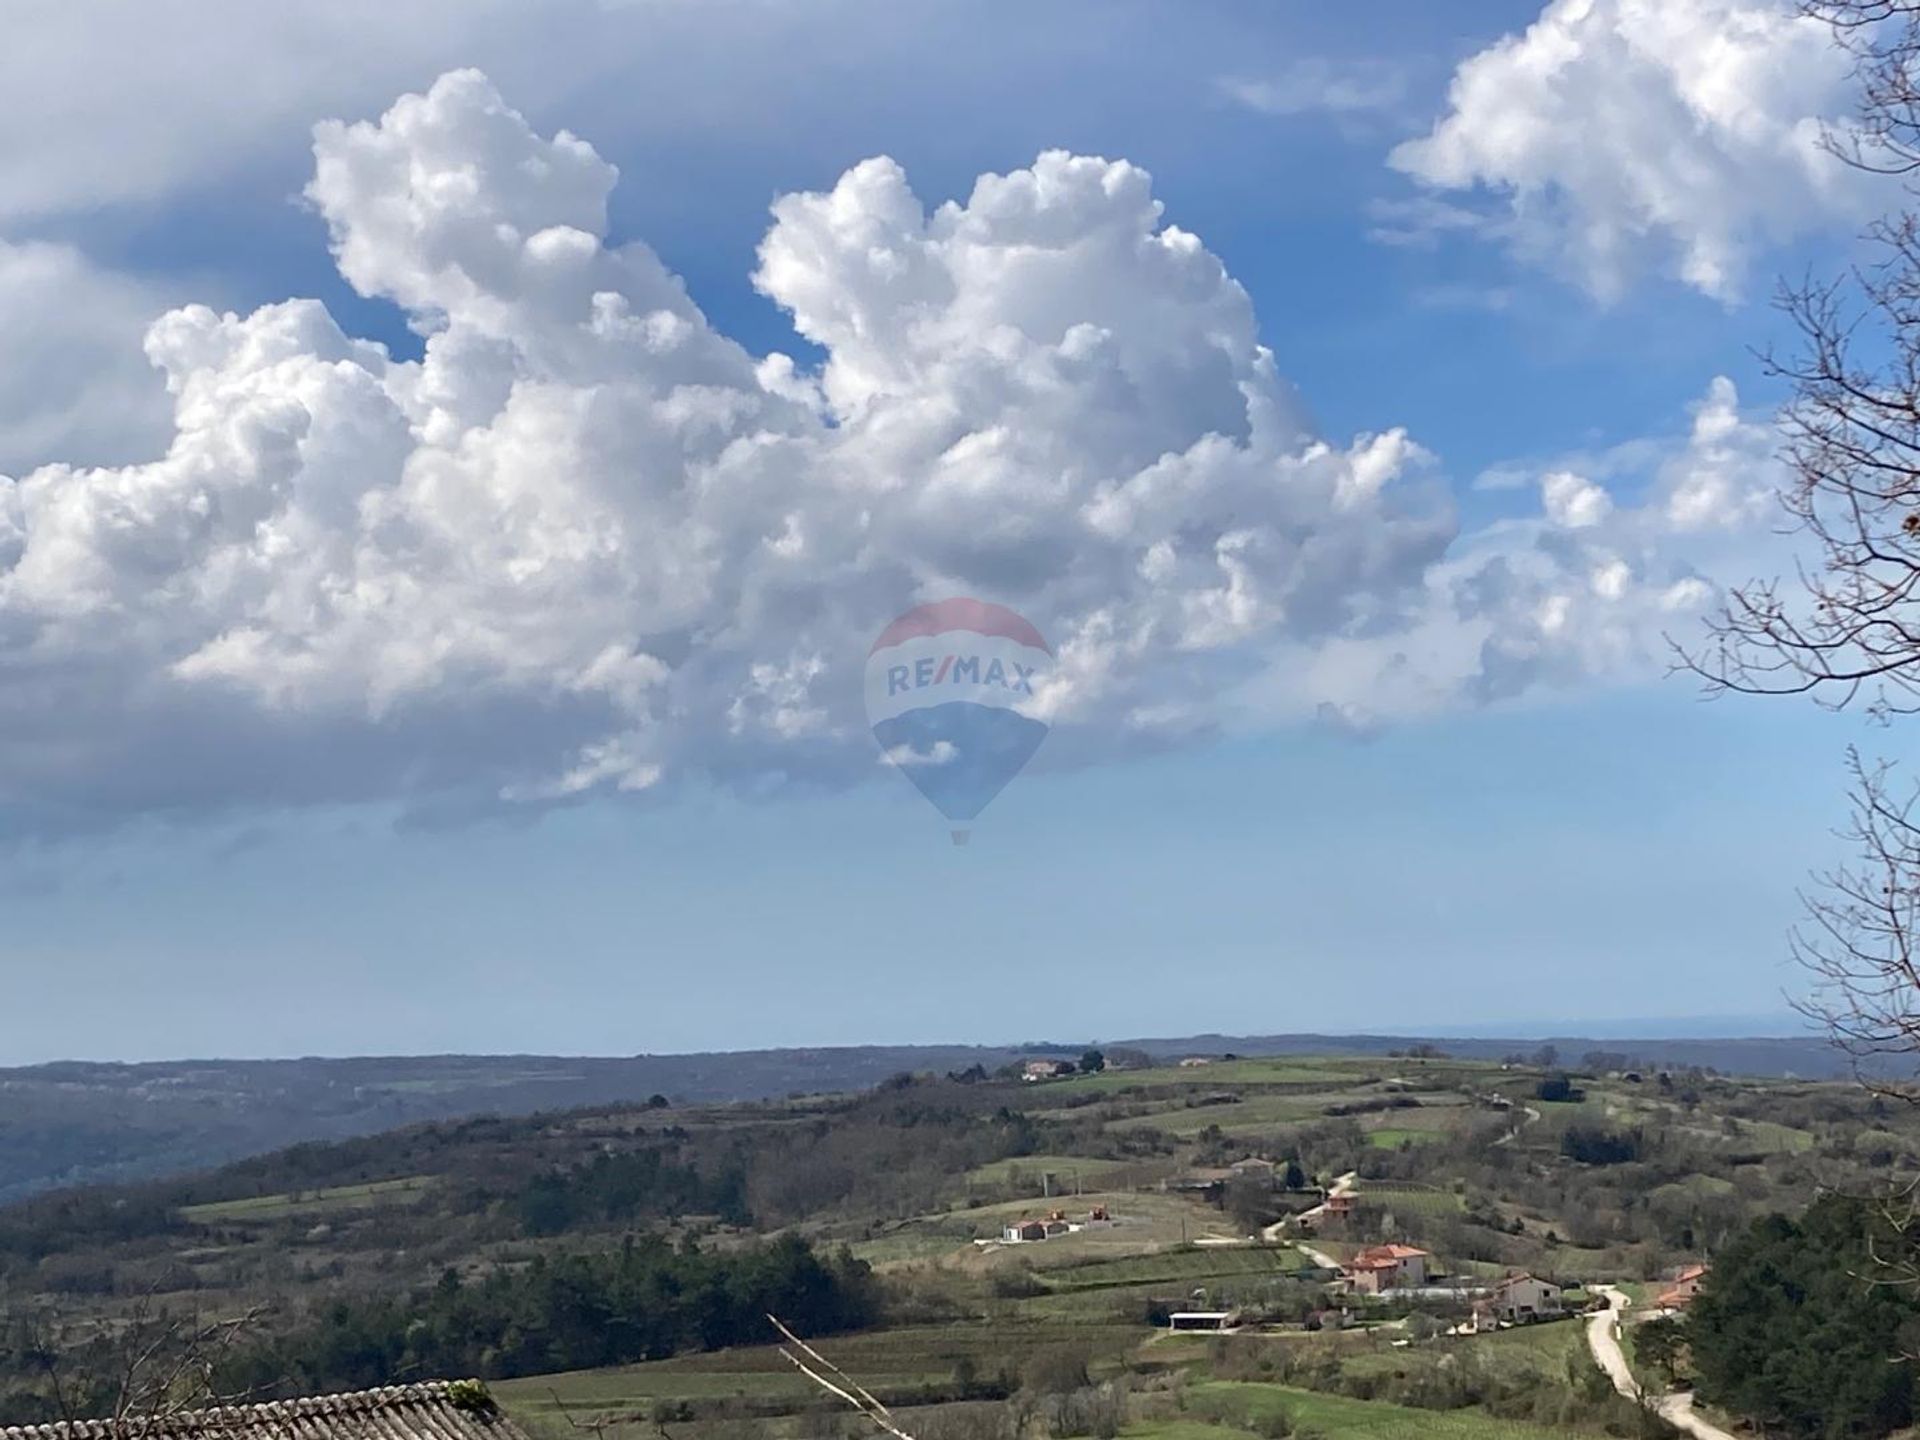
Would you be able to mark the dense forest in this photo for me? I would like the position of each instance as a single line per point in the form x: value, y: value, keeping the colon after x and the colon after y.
x: 1809, y: 1325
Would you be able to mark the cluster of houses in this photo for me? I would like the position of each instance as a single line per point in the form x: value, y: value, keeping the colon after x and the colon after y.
x: 1518, y: 1299
x: 1026, y: 1230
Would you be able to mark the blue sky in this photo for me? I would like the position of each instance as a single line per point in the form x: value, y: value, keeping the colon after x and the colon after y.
x: 313, y: 840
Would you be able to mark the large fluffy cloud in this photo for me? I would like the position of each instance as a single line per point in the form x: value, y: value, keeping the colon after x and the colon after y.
x: 588, y: 543
x: 1623, y: 133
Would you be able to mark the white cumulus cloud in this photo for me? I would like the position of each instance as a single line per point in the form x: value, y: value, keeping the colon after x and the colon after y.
x: 1628, y: 134
x: 588, y: 544
x: 1591, y: 590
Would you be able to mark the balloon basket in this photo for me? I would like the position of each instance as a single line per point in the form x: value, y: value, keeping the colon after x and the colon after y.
x: 960, y: 837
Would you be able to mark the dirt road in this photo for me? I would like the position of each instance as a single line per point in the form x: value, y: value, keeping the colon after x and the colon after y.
x: 1277, y: 1232
x: 1603, y: 1338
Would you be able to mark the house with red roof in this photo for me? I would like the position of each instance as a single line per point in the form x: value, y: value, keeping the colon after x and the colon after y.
x: 1386, y: 1267
x: 1679, y: 1295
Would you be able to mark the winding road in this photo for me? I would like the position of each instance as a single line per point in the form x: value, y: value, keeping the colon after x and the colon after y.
x: 1276, y: 1232
x: 1603, y: 1338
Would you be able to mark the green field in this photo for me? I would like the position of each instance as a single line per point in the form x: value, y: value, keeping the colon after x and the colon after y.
x: 1178, y: 1266
x: 1411, y: 1199
x: 1249, y: 1115
x: 894, y: 1364
x: 1337, y: 1417
x: 1184, y: 1430
x: 1523, y: 1349
x: 303, y: 1203
x: 1110, y: 1290
x: 905, y: 1246
x: 1226, y: 1073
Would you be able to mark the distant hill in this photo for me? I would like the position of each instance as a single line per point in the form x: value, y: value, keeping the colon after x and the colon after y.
x: 1806, y: 1057
x: 79, y: 1122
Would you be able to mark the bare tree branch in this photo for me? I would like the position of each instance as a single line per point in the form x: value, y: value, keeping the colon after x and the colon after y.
x: 853, y: 1393
x: 1846, y: 628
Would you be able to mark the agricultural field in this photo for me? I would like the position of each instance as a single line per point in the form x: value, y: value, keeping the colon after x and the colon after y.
x: 1281, y: 1071
x: 1411, y: 1199
x: 316, y: 1204
x: 1179, y: 1267
x: 898, y: 1366
x: 1256, y: 1113
x: 1338, y: 1417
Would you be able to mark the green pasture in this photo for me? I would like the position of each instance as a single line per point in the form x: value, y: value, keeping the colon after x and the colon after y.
x: 1336, y: 1417
x: 894, y: 1364
x: 338, y: 1198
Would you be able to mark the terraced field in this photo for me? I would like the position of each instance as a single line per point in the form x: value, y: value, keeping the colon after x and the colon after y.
x: 317, y: 1203
x: 1412, y: 1199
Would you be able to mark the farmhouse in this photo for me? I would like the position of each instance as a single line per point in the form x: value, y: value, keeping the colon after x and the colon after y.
x: 1055, y: 1222
x: 1339, y: 1207
x: 1521, y: 1298
x: 1048, y: 1069
x: 1386, y: 1267
x: 1679, y: 1294
x: 430, y: 1410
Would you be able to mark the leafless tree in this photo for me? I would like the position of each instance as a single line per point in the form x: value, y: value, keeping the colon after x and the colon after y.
x: 148, y: 1368
x: 1846, y: 629
x: 1863, y: 921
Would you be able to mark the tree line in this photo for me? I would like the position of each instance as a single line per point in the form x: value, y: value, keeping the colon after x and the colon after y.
x: 645, y: 1301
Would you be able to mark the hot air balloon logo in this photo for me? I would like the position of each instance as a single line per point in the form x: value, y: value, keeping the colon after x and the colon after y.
x: 951, y: 692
